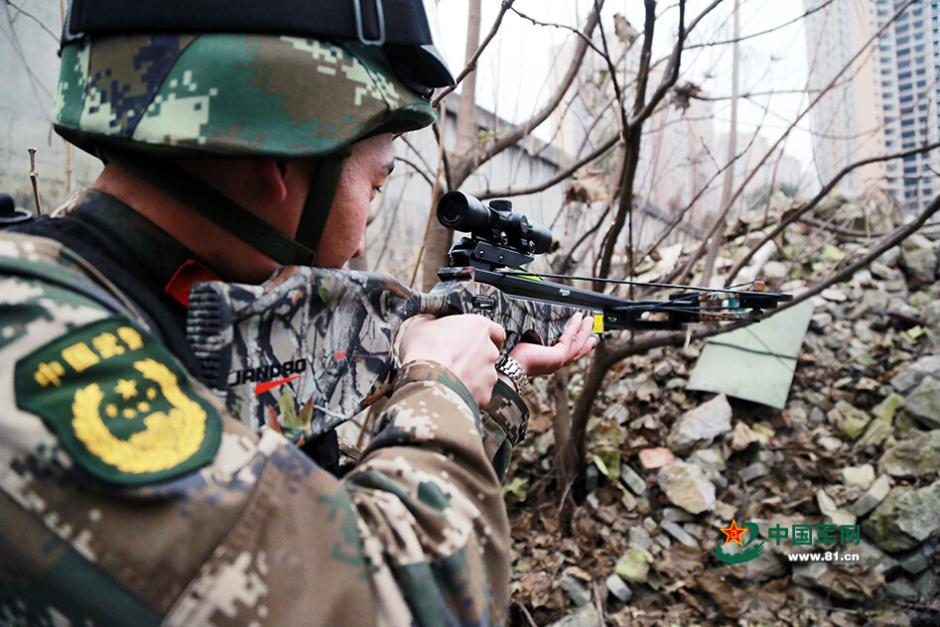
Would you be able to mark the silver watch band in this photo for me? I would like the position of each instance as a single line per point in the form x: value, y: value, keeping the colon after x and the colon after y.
x: 511, y: 368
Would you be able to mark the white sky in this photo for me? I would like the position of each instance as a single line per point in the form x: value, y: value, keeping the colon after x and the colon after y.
x: 519, y: 62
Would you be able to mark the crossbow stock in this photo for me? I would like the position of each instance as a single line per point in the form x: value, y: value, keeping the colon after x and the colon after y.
x: 311, y: 347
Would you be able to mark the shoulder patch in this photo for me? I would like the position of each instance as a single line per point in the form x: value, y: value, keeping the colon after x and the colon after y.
x: 119, y: 404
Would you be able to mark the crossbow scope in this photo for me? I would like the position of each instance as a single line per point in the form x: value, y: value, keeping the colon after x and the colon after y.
x: 493, y: 223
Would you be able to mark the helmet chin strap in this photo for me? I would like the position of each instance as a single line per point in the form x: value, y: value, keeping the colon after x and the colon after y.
x: 235, y: 219
x: 316, y: 211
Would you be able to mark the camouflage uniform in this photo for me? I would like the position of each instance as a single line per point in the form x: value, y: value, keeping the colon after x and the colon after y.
x: 129, y: 495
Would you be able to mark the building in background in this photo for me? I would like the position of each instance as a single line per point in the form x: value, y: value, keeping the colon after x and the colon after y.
x: 885, y: 103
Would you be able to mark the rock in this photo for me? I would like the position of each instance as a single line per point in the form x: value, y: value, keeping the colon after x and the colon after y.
x: 632, y: 480
x: 618, y: 588
x: 763, y: 567
x: 902, y: 590
x: 924, y: 402
x: 820, y: 322
x: 850, y: 419
x: 584, y: 616
x: 875, y: 495
x: 916, y: 562
x: 834, y: 295
x: 821, y: 575
x: 911, y: 375
x: 640, y: 538
x: 679, y: 533
x: 878, y: 431
x: 917, y: 456
x: 754, y: 471
x: 703, y: 423
x: 928, y: 584
x: 860, y: 476
x: 634, y: 566
x: 885, y: 410
x: 708, y: 459
x: 652, y: 458
x: 576, y: 591
x: 836, y: 514
x: 829, y: 443
x: 816, y: 415
x: 674, y: 514
x: 919, y: 258
x: 687, y: 486
x: 905, y: 518
x: 743, y: 436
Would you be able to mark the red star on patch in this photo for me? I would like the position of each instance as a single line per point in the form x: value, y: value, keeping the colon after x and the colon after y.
x: 734, y: 533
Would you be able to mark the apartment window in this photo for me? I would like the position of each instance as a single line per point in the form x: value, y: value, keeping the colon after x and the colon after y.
x: 904, y: 64
x: 904, y: 76
x: 903, y: 52
x: 900, y: 41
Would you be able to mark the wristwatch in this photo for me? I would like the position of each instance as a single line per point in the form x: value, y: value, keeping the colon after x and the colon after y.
x: 511, y: 368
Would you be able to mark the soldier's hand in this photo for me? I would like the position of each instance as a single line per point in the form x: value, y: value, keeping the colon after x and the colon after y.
x: 468, y: 345
x: 575, y: 342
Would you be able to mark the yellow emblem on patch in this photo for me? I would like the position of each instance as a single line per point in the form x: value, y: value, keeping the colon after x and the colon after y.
x: 123, y: 408
x: 170, y: 437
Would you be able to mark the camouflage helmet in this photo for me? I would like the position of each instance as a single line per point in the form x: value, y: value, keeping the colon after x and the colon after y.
x: 221, y: 94
x: 282, y: 79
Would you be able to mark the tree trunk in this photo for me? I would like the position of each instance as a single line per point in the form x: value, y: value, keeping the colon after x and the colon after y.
x: 727, y: 184
x: 438, y: 238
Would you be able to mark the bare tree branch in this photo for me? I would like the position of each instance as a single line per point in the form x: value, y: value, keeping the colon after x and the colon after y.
x: 472, y: 61
x: 763, y: 32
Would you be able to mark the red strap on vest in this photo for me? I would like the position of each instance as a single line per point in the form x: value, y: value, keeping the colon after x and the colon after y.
x: 182, y: 281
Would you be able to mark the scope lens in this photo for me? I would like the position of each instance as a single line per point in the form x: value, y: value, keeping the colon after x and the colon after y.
x: 462, y: 212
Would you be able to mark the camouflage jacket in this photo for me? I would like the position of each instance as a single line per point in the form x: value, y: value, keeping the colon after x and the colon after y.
x: 128, y: 495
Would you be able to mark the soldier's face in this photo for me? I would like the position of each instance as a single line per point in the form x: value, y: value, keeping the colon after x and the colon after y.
x: 364, y: 173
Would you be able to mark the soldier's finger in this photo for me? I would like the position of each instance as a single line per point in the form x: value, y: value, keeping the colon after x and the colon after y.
x: 497, y: 334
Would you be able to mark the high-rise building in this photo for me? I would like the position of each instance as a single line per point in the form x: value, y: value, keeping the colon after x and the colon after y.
x: 887, y: 100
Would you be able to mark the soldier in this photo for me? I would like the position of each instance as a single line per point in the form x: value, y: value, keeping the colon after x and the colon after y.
x: 127, y: 493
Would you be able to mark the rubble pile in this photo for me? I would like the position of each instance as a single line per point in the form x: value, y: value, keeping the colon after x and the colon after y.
x: 855, y: 453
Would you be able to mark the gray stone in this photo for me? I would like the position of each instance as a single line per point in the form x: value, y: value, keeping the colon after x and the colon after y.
x: 878, y: 431
x: 708, y: 458
x: 754, y: 471
x: 576, y: 591
x: 634, y: 566
x: 873, y: 558
x: 875, y: 495
x: 916, y: 562
x: 836, y: 514
x: 917, y: 456
x: 817, y: 416
x: 674, y: 514
x: 905, y: 518
x: 859, y: 476
x: 584, y: 616
x: 885, y: 410
x: 829, y: 443
x: 640, y: 538
x: 619, y: 588
x: 679, y: 533
x: 850, y: 419
x: 820, y: 322
x: 687, y: 486
x: 902, y: 590
x: 924, y: 402
x: 703, y: 423
x: 695, y: 530
x: 765, y: 566
x: 919, y: 258
x: 928, y: 584
x: 632, y: 480
x: 834, y: 295
x: 820, y: 575
x: 912, y: 374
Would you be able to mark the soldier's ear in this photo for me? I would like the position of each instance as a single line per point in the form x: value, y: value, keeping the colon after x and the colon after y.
x: 273, y: 174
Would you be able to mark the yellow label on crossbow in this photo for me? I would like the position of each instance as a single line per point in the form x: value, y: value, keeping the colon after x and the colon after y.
x: 598, y: 323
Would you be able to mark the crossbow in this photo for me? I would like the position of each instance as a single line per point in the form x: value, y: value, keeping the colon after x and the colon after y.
x: 312, y: 347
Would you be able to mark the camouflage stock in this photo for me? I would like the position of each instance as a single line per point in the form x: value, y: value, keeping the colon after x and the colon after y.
x: 311, y: 348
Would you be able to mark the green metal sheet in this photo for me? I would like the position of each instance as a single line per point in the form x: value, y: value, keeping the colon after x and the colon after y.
x: 756, y: 362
